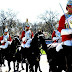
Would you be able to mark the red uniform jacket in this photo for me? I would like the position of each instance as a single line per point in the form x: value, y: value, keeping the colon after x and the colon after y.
x: 23, y: 35
x: 62, y: 26
x: 1, y: 38
x: 53, y: 35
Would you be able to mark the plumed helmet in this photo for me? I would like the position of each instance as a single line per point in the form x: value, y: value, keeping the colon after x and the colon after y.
x: 69, y: 3
x: 27, y: 23
x: 6, y: 30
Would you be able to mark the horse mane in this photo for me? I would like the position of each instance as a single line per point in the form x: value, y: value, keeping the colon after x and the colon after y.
x: 17, y: 40
x: 44, y: 46
x: 35, y: 44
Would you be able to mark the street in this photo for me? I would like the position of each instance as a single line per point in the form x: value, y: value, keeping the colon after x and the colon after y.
x: 44, y: 65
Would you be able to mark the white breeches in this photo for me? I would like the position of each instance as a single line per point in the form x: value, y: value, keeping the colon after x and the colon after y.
x: 27, y: 45
x: 68, y: 43
x: 6, y: 45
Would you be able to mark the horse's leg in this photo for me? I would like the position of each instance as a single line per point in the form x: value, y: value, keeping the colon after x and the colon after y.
x: 39, y: 68
x: 52, y: 66
x: 69, y: 62
x: 31, y: 68
x: 52, y: 69
x: 22, y: 62
x: 26, y: 67
x: 22, y: 65
x: 36, y: 66
x: 14, y: 66
x: 9, y: 65
x: 2, y: 57
x: 17, y: 66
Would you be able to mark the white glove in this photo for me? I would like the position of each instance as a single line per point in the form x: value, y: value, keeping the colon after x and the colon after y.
x: 59, y: 47
x: 9, y: 42
x: 2, y: 41
x: 24, y: 39
x: 19, y: 48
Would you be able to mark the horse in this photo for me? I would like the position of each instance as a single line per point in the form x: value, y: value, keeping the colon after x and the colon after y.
x: 11, y: 52
x: 56, y: 59
x: 1, y: 56
x: 51, y: 56
x: 33, y: 52
x: 68, y: 57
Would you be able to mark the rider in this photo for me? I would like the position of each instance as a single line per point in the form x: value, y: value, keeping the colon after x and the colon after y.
x: 65, y: 26
x: 5, y: 39
x: 26, y: 36
x: 56, y: 36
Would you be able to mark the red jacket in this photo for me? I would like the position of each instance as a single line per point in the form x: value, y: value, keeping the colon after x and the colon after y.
x: 23, y: 35
x: 53, y: 35
x: 62, y: 26
x: 1, y: 38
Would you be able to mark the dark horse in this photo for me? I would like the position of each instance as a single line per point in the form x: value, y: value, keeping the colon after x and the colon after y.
x: 11, y: 52
x: 2, y: 56
x: 56, y: 59
x: 68, y: 57
x: 33, y: 52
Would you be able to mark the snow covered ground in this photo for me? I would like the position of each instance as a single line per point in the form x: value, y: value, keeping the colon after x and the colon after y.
x: 43, y: 65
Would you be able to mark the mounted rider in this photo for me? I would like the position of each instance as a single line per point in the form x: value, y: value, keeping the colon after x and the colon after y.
x: 56, y: 36
x: 27, y: 35
x: 5, y: 39
x: 65, y: 26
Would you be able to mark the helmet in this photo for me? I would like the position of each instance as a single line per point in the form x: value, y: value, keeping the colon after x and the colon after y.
x: 27, y: 25
x: 6, y: 30
x: 69, y: 3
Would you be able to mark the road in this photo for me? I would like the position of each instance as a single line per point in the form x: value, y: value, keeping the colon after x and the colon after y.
x: 44, y: 65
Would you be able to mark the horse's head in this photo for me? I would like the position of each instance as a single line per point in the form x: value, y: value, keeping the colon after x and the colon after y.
x: 39, y: 41
x: 15, y: 42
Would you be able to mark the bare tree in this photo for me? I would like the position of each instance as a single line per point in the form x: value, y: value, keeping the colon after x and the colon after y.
x: 7, y: 18
x: 2, y: 19
x: 49, y: 19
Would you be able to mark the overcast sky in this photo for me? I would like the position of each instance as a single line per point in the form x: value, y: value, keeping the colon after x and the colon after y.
x: 32, y: 8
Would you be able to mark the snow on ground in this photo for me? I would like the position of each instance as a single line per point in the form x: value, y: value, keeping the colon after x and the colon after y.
x: 44, y: 65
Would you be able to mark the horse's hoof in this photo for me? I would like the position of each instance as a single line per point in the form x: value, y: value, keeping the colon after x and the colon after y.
x: 23, y: 69
x: 4, y: 65
x: 9, y: 69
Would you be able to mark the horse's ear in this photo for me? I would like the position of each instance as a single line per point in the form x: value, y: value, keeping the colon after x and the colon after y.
x: 18, y: 36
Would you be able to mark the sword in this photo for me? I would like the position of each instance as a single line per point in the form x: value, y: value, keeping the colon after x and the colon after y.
x: 64, y: 14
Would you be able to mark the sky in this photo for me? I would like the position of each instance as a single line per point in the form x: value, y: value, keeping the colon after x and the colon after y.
x: 31, y: 9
